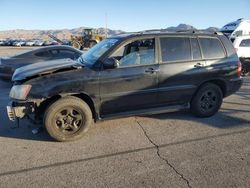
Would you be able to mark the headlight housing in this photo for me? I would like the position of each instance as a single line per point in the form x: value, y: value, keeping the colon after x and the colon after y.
x: 20, y: 92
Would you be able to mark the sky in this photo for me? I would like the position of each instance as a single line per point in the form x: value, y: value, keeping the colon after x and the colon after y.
x: 127, y: 15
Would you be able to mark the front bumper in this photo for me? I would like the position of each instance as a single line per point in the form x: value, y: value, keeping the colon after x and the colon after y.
x: 16, y: 110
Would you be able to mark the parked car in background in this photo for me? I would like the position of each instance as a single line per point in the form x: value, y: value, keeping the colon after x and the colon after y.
x: 51, y: 43
x: 126, y: 75
x: 30, y: 43
x: 38, y: 43
x: 2, y: 42
x: 10, y: 42
x: 19, y: 43
x: 240, y: 27
x: 10, y: 64
x: 242, y: 47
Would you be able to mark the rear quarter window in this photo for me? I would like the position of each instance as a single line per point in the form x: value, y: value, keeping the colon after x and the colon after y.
x: 211, y: 48
x: 228, y: 45
x: 175, y: 49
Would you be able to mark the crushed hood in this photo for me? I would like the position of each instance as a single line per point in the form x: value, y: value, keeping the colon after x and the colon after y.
x: 43, y: 68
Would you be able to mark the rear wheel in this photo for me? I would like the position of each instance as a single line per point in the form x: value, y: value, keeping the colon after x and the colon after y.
x: 207, y: 100
x: 68, y: 119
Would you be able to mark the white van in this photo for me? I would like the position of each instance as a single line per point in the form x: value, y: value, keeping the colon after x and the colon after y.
x: 242, y: 46
x: 241, y: 27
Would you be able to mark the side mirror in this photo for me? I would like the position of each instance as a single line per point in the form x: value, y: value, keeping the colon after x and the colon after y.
x: 111, y: 63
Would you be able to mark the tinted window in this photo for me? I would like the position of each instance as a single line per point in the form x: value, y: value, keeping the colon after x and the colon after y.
x: 175, y: 49
x: 228, y: 45
x: 195, y: 49
x: 43, y: 54
x: 140, y: 52
x: 64, y: 54
x: 245, y: 43
x: 211, y: 48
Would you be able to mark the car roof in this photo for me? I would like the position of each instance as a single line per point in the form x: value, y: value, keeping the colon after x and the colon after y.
x: 54, y: 47
x: 57, y: 47
x: 153, y: 33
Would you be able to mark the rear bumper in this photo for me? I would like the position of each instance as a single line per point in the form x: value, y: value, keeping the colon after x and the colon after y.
x: 234, y: 85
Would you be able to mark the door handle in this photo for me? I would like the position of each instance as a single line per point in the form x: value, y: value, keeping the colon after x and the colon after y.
x: 151, y: 70
x: 198, y: 65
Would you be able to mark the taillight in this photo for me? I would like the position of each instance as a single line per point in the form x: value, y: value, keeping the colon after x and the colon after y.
x: 239, y: 67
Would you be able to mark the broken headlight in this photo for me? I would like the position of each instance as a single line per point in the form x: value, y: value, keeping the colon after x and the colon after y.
x: 20, y: 92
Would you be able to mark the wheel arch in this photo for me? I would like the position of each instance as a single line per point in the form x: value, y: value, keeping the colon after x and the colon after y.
x: 83, y: 96
x: 219, y: 82
x: 86, y: 98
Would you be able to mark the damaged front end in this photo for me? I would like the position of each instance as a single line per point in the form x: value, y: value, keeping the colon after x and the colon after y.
x: 16, y: 110
x: 20, y: 106
x: 23, y: 103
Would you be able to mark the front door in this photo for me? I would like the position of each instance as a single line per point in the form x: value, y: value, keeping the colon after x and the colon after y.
x: 133, y: 84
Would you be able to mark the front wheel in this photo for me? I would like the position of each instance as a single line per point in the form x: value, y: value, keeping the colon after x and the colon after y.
x: 68, y: 119
x: 207, y: 100
x: 77, y: 45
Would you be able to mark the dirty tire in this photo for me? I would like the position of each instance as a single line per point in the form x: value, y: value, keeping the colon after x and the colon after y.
x: 68, y: 119
x: 93, y: 43
x: 77, y: 45
x: 207, y: 100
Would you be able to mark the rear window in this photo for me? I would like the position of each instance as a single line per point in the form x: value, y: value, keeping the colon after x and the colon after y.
x: 175, y: 49
x: 245, y: 43
x: 211, y: 48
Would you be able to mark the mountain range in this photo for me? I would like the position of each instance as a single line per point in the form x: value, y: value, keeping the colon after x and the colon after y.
x: 66, y: 33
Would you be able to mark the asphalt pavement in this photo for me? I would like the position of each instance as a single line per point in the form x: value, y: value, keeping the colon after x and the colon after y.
x: 166, y: 150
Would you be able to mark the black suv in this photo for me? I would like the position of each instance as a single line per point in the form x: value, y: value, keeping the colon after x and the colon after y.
x: 129, y: 74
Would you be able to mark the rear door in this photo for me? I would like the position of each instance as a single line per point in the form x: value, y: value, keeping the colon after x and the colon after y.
x: 181, y: 68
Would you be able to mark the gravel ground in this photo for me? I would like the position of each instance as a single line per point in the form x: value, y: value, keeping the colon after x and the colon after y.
x: 166, y: 150
x: 8, y: 50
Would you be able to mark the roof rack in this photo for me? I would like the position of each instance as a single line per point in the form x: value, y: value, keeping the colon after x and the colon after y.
x: 179, y: 31
x: 186, y: 31
x: 200, y: 31
x: 153, y: 31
